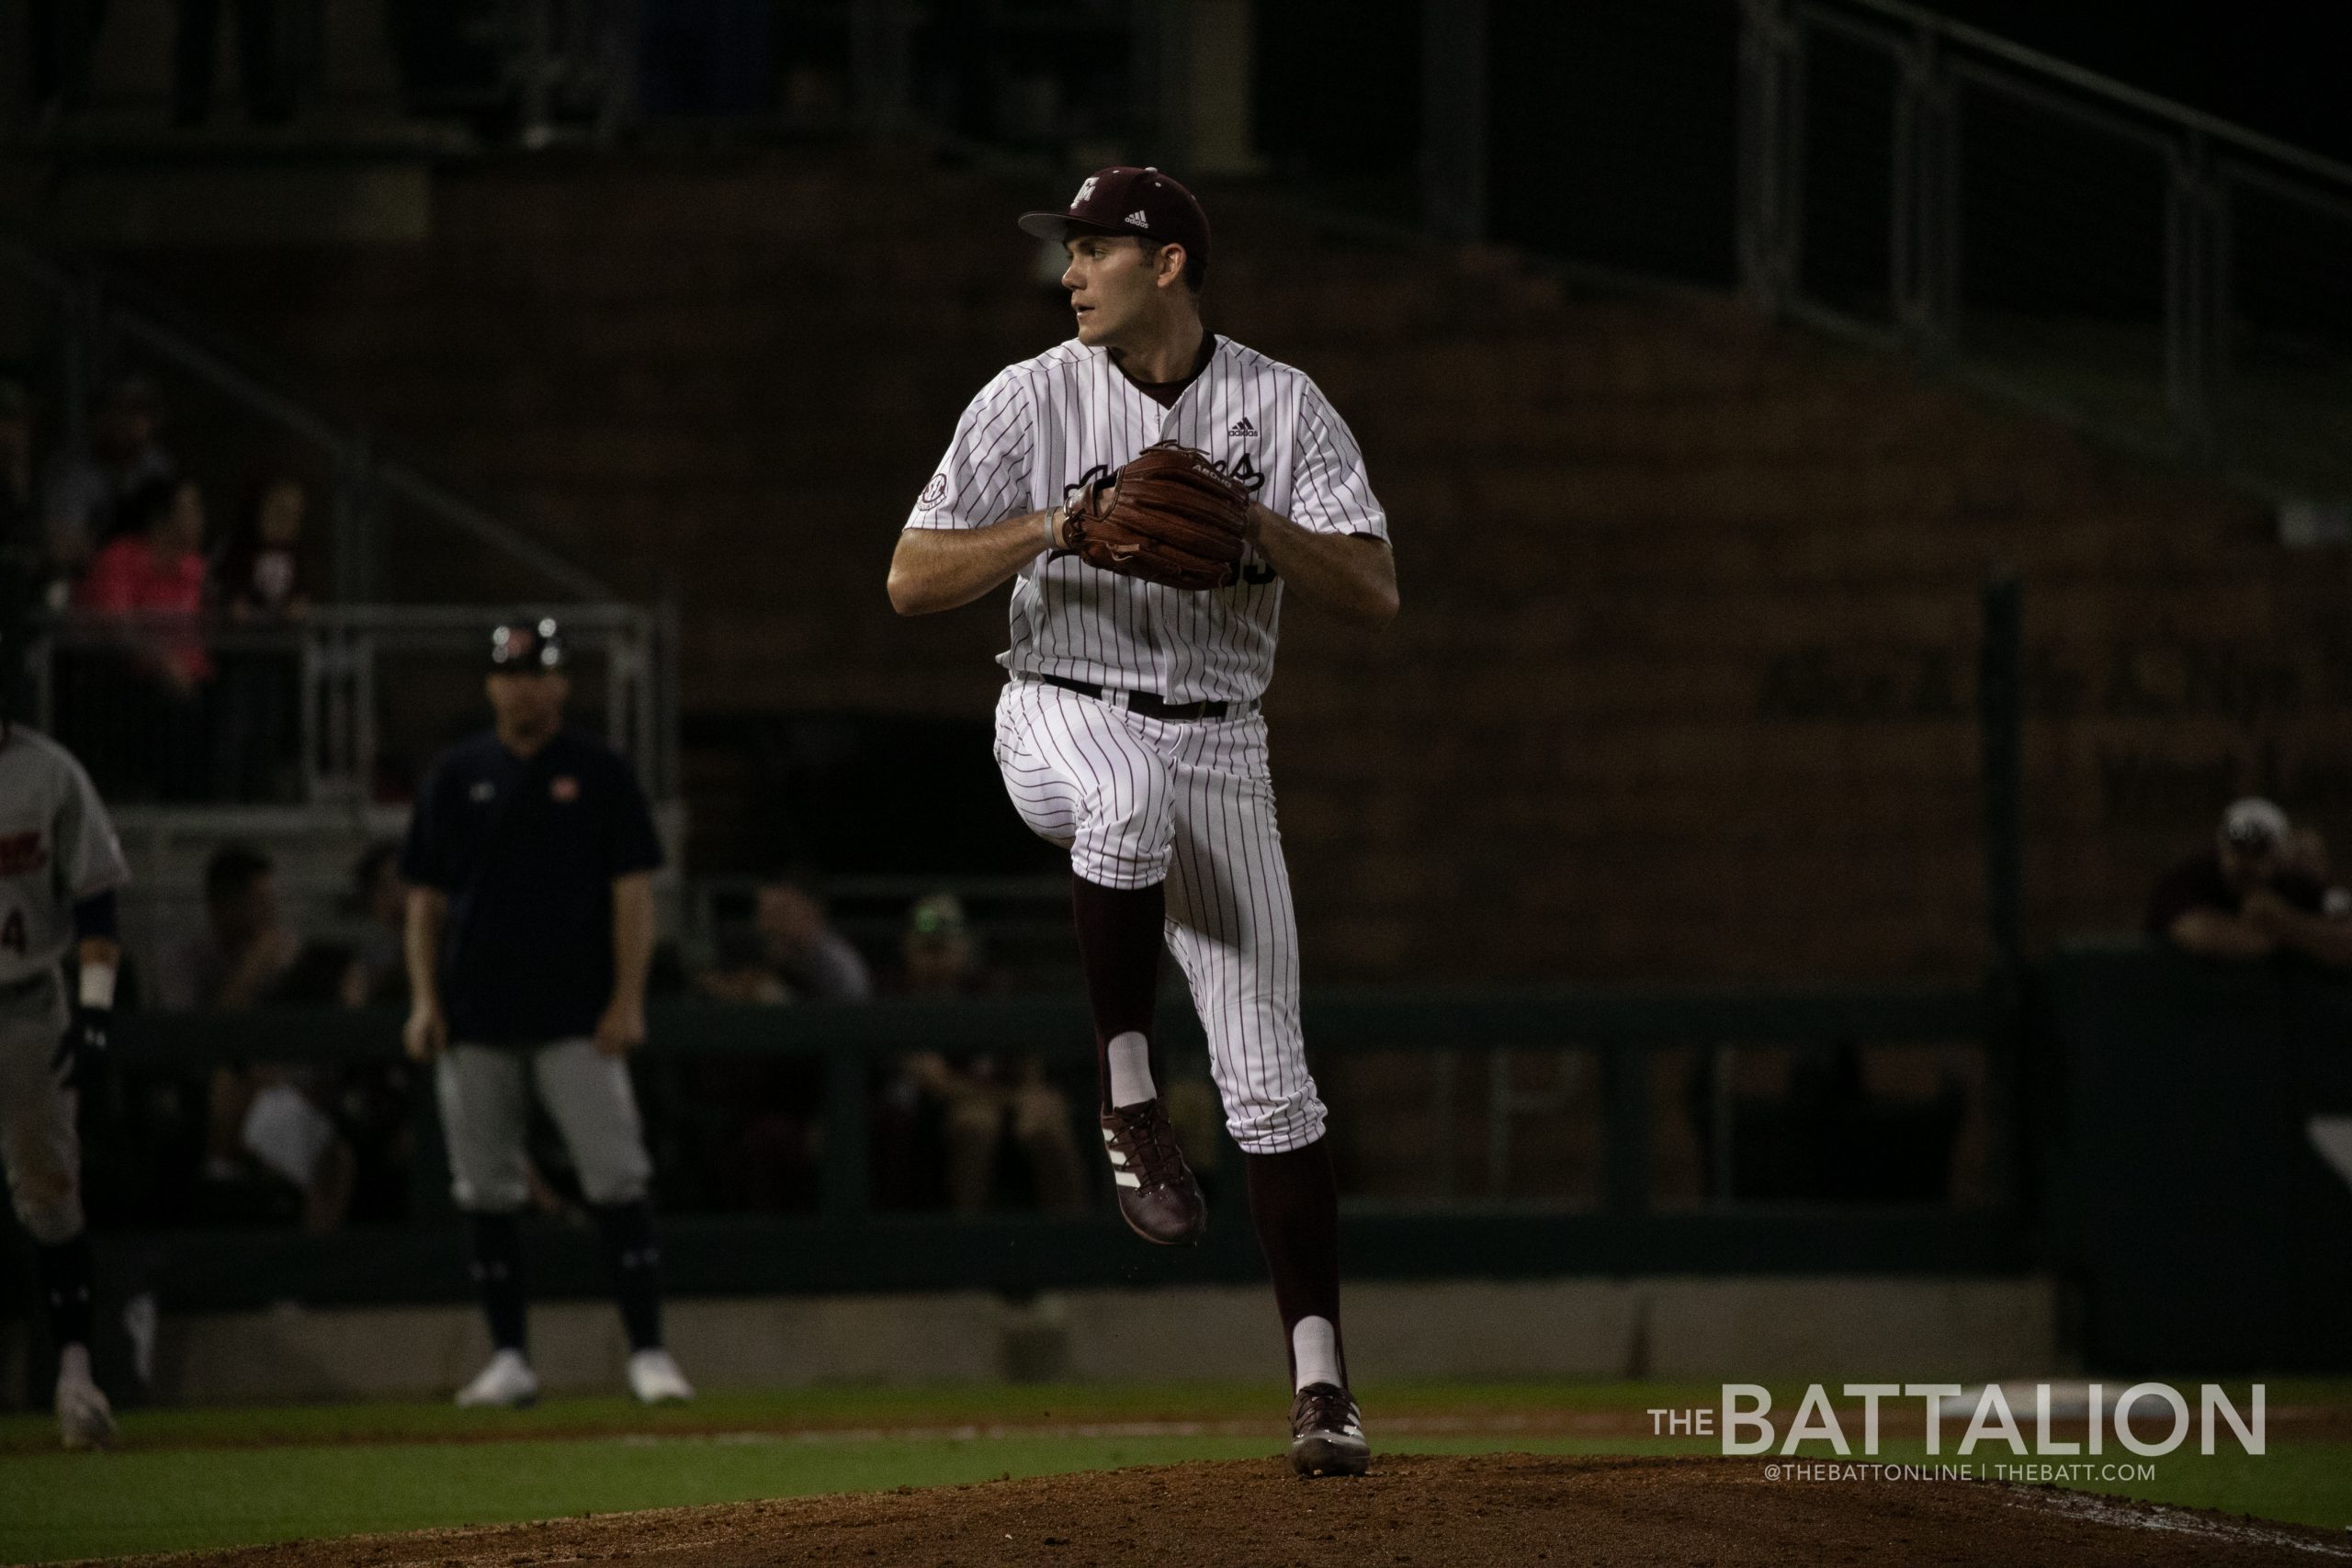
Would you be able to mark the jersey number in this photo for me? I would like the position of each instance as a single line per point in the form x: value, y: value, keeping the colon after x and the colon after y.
x: 12, y: 932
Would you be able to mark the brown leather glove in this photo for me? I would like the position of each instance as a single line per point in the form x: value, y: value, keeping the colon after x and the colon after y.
x: 1170, y: 516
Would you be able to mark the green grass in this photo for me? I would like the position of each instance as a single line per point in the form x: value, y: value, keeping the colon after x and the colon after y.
x: 66, y: 1505
x: 189, y: 1480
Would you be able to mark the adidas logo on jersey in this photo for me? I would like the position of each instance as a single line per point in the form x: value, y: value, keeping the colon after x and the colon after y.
x: 1242, y: 427
x: 1139, y: 219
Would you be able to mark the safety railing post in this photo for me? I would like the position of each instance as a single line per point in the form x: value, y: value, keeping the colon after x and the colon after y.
x: 2000, y: 718
x: 1924, y: 235
x: 845, y: 1190
x: 309, y: 724
x: 535, y: 65
x: 1625, y: 1071
x: 662, y: 698
x: 342, y: 757
x: 1769, y: 168
x: 1441, y: 1104
x: 2193, y: 291
x: 364, y: 741
x: 353, y: 520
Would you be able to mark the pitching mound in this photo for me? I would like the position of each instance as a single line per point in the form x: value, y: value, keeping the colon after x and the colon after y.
x: 1513, y: 1509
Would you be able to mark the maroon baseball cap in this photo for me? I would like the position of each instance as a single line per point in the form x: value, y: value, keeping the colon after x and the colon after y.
x: 1123, y: 200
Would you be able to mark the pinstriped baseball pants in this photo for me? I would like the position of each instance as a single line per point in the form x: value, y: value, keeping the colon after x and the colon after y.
x: 1138, y: 800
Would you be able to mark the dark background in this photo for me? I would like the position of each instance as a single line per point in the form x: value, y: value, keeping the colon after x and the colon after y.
x: 1650, y: 88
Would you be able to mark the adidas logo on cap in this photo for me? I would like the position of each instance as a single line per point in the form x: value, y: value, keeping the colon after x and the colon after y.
x: 1139, y: 219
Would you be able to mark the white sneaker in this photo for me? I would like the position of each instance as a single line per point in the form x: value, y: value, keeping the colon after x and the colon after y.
x: 655, y: 1379
x: 84, y: 1420
x: 508, y: 1381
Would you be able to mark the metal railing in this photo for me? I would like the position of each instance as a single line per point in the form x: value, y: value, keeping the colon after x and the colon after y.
x: 104, y: 323
x: 1632, y: 1205
x: 336, y: 709
x: 2157, y: 272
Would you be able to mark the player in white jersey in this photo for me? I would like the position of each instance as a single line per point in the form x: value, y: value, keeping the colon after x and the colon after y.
x: 1130, y: 730
x: 59, y: 864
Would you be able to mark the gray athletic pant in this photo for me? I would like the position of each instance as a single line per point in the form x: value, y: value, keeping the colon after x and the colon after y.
x: 39, y: 1143
x: 486, y: 1110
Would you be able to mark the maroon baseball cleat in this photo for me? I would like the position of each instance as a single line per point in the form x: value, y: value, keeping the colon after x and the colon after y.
x: 1157, y: 1197
x: 1325, y: 1433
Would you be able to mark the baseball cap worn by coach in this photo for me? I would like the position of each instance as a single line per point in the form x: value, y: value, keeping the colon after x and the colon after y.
x: 527, y: 647
x: 1124, y: 200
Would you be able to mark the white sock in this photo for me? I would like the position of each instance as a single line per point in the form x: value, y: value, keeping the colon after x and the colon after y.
x: 1130, y: 1070
x: 74, y: 1364
x: 1315, y: 1349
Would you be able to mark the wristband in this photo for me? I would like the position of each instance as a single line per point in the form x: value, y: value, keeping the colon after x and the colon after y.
x: 98, y: 985
x: 1051, y: 543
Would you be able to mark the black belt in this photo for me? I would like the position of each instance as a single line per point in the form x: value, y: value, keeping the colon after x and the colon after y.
x: 26, y: 986
x: 1143, y: 703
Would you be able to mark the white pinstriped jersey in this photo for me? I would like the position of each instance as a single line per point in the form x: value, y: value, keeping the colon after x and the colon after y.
x: 1045, y: 426
x: 57, y: 848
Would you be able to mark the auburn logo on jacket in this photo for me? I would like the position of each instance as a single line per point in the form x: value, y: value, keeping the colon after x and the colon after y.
x: 22, y: 853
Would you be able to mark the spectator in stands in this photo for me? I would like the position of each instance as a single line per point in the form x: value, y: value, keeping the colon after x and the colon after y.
x: 2255, y: 894
x: 740, y: 971
x: 753, y: 1125
x: 267, y: 1117
x: 245, y: 947
x: 749, y: 1123
x: 789, y: 952
x: 259, y: 582
x: 379, y: 972
x: 82, y: 494
x: 261, y: 573
x: 756, y: 1143
x: 371, y: 1103
x: 148, y: 588
x: 2305, y: 853
x: 984, y: 1100
x: 814, y: 961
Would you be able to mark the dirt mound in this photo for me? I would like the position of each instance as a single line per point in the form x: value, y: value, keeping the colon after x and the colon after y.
x: 1502, y: 1508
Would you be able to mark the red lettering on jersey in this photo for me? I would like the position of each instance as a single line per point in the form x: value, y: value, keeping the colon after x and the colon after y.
x: 22, y: 853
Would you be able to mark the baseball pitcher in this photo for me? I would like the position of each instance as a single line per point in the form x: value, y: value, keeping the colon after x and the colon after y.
x: 1150, y: 490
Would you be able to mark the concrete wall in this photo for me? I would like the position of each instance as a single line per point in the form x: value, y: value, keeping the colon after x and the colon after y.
x: 1665, y: 1327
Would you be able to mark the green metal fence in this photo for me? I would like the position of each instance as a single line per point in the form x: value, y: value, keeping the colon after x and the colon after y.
x: 850, y: 1244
